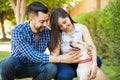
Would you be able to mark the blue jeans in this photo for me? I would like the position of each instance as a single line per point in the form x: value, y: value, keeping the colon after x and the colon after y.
x: 12, y: 68
x: 68, y: 71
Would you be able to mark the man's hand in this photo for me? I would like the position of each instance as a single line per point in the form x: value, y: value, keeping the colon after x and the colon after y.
x: 71, y: 57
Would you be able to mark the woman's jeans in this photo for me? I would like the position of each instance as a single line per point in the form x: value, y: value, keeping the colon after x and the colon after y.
x: 68, y: 71
x: 12, y: 68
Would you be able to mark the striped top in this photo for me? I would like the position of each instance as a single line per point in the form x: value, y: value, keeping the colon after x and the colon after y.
x: 76, y: 36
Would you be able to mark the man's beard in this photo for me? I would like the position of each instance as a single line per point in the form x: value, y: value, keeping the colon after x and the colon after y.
x: 42, y: 29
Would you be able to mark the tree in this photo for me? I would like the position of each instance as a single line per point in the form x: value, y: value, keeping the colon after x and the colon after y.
x: 4, y: 11
x: 19, y: 8
x: 51, y: 4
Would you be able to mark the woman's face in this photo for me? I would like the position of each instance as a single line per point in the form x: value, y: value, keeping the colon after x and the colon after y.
x: 65, y: 24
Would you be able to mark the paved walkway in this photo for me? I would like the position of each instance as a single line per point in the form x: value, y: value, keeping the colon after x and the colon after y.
x: 5, y: 46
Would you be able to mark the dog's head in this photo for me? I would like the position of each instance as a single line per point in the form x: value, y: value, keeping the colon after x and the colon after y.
x: 82, y: 46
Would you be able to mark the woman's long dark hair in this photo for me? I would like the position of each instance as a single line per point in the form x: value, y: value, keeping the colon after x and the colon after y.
x: 55, y: 33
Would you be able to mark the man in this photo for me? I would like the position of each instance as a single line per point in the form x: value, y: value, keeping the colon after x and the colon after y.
x: 28, y: 43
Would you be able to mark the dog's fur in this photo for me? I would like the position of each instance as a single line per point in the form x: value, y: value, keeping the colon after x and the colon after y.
x: 84, y: 68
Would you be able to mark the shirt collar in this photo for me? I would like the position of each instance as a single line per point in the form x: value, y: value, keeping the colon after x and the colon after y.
x: 76, y: 27
x: 28, y: 27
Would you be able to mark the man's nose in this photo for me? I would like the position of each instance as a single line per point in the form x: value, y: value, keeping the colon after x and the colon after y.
x: 45, y: 24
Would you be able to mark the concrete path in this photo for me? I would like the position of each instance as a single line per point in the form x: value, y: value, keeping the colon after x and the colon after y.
x: 5, y: 46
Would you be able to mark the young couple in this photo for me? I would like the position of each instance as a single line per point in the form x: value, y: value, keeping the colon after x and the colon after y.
x: 30, y: 40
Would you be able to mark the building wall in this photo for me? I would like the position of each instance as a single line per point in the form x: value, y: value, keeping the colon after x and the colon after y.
x: 104, y: 3
x: 87, y: 6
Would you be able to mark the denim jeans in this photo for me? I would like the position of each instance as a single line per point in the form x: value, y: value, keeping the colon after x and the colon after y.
x: 12, y: 68
x: 68, y: 71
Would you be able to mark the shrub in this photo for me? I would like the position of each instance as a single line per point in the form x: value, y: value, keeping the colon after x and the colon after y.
x: 104, y: 28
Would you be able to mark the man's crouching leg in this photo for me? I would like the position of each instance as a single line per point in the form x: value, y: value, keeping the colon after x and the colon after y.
x: 8, y: 68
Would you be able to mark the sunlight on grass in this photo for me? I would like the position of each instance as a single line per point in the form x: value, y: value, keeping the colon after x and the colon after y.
x: 4, y: 54
x: 113, y: 72
x: 5, y: 40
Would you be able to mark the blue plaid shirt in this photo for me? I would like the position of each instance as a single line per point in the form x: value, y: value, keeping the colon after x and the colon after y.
x: 25, y: 48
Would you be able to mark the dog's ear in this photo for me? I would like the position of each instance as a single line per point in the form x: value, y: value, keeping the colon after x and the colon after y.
x: 80, y: 42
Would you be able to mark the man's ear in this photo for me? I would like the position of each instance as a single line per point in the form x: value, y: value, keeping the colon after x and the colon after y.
x: 30, y: 19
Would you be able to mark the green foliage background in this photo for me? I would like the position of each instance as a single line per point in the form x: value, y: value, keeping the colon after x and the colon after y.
x: 104, y: 26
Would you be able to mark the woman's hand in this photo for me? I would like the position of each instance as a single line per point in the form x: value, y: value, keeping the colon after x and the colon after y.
x: 93, y: 68
x: 93, y: 71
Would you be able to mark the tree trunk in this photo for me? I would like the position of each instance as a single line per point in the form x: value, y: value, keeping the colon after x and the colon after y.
x: 3, y: 29
x: 19, y: 8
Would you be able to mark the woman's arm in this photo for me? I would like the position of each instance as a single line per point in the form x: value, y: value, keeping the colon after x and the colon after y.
x: 87, y: 38
x: 56, y: 51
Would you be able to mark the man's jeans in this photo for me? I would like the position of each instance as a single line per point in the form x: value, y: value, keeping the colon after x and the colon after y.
x: 12, y: 68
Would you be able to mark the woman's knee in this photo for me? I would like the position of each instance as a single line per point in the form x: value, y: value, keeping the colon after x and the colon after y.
x: 99, y: 62
x: 65, y: 75
x: 65, y: 72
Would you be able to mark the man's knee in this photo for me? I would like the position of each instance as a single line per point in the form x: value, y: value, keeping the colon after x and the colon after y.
x: 8, y: 65
x: 8, y: 68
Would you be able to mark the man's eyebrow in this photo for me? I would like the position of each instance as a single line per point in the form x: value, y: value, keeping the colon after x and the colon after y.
x: 44, y: 20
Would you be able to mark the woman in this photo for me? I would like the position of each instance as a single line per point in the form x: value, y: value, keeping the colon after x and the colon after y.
x: 64, y: 30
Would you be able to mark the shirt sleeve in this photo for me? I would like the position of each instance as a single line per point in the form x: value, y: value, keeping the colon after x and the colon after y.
x: 27, y: 50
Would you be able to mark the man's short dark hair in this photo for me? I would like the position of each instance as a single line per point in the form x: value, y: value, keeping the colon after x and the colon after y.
x: 35, y: 7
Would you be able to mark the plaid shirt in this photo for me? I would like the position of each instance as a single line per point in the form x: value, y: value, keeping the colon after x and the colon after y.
x: 25, y: 48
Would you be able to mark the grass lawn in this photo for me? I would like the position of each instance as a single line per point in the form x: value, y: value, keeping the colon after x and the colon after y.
x: 4, y: 40
x: 112, y: 71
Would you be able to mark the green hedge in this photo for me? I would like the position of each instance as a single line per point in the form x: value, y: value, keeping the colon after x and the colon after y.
x: 104, y: 26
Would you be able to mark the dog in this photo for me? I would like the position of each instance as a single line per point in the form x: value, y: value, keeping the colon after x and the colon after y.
x: 85, y: 62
